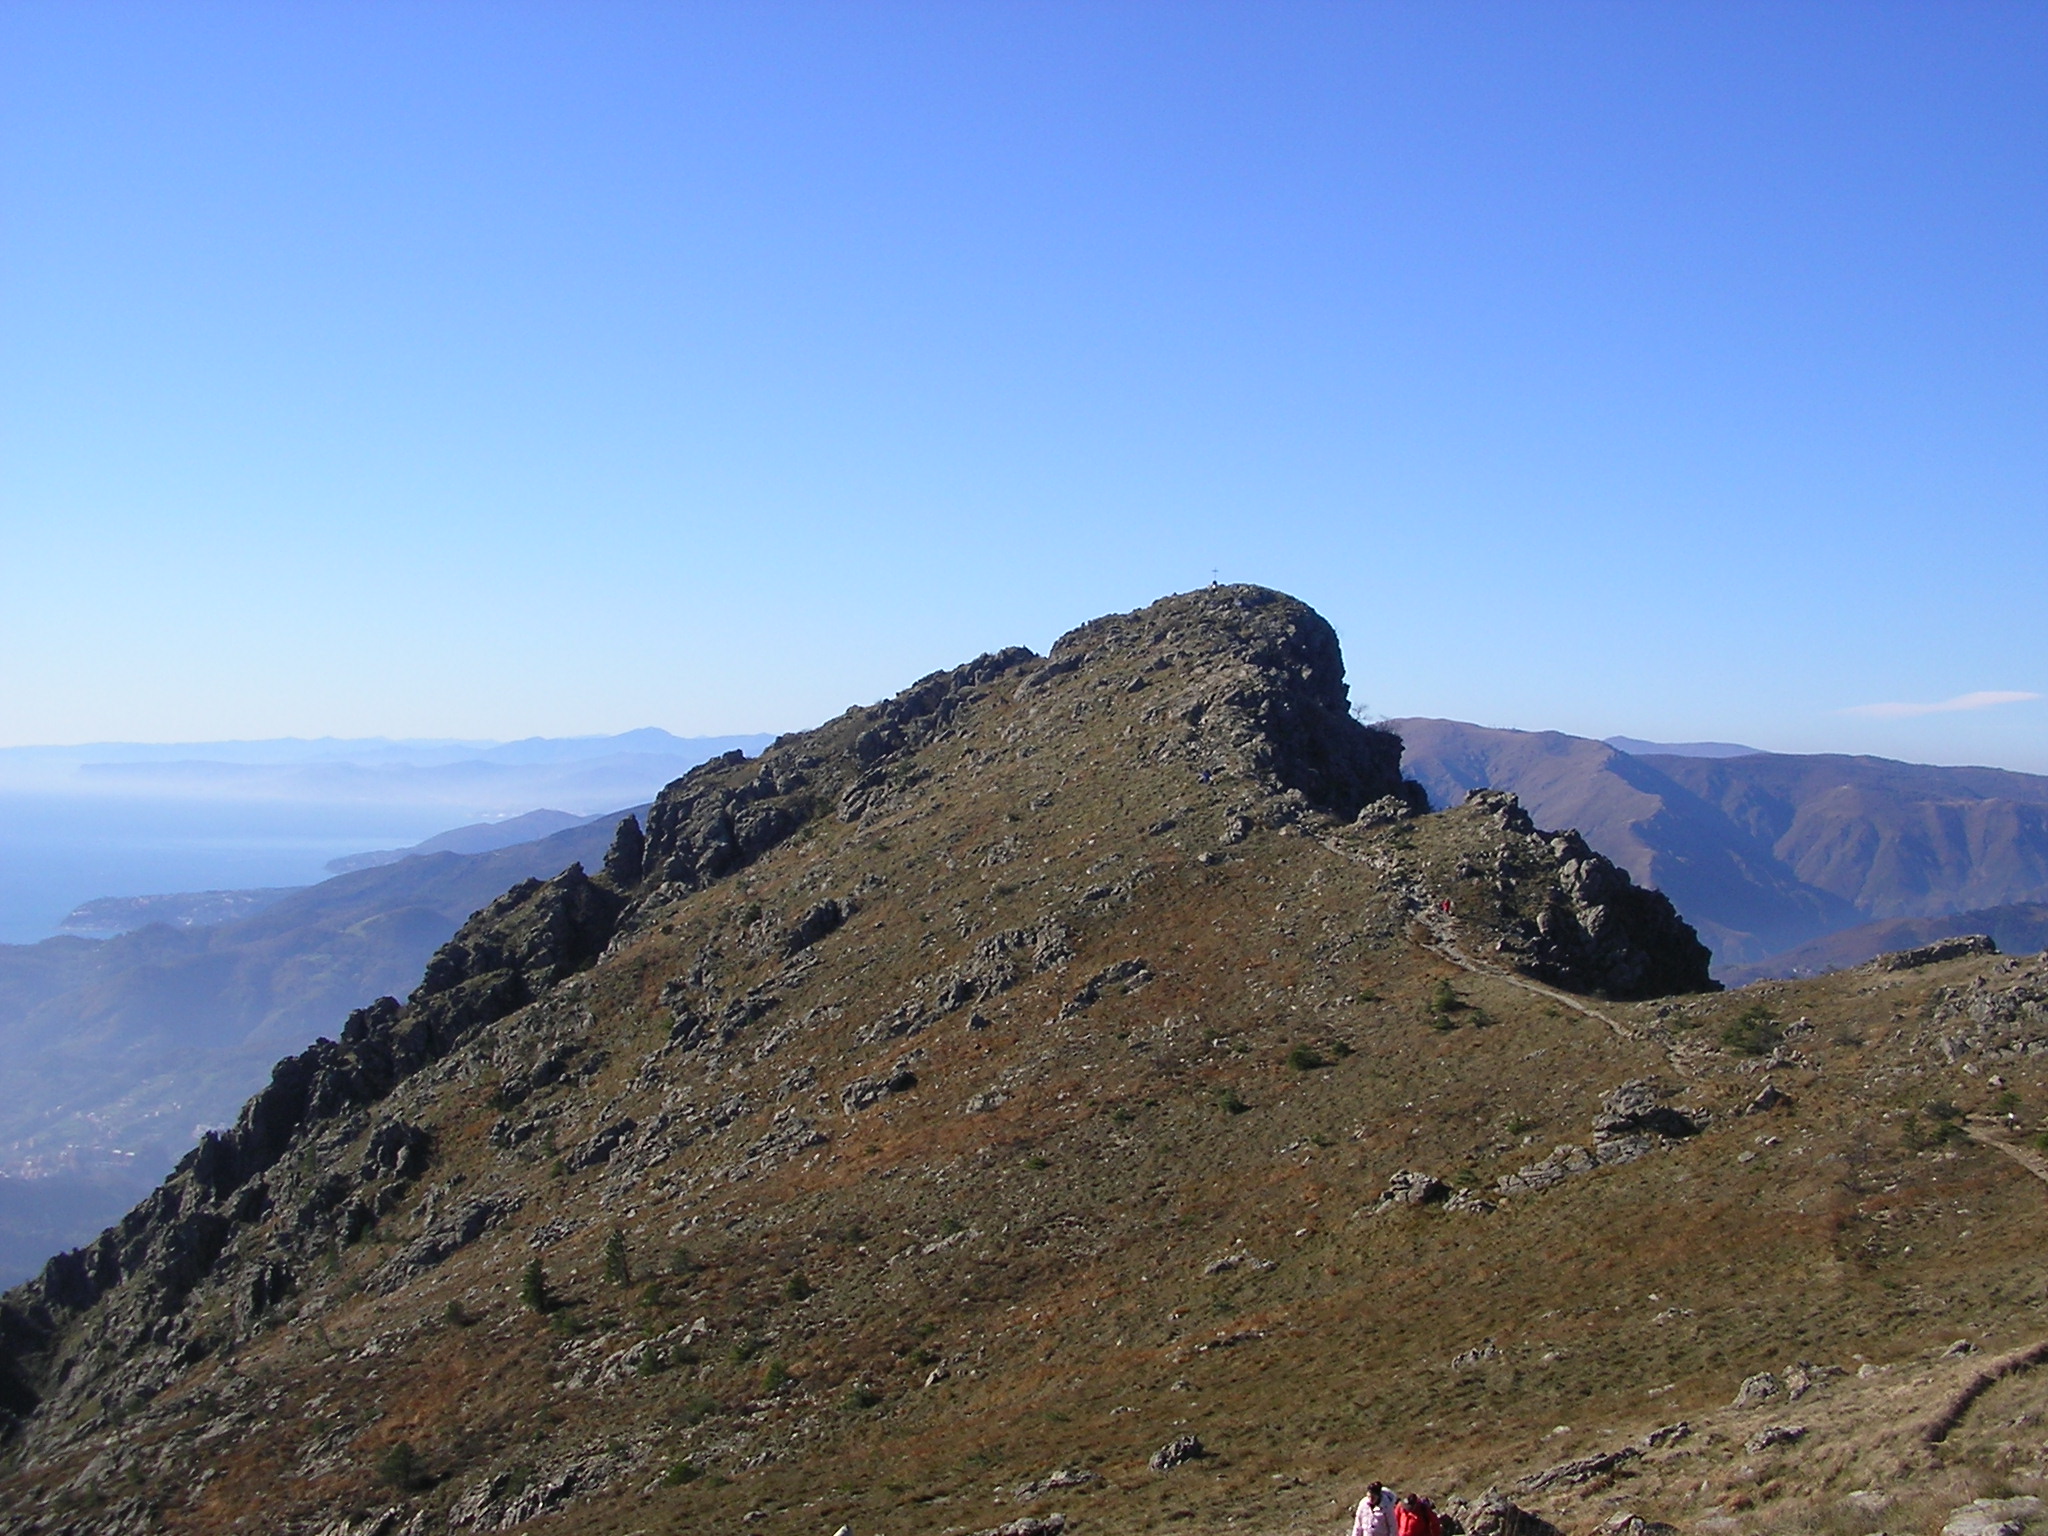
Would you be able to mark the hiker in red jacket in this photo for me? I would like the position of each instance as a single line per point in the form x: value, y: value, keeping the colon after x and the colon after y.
x: 1416, y: 1516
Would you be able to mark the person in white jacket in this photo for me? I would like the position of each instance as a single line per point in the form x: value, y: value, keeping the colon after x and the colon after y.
x: 1375, y: 1512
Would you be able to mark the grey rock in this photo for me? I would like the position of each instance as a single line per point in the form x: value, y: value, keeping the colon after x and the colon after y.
x: 1760, y: 1388
x: 1774, y: 1435
x: 1408, y: 1187
x: 1958, y: 948
x: 468, y: 1223
x: 1636, y: 1109
x: 1766, y: 1101
x: 864, y: 1091
x: 1996, y: 1517
x: 626, y: 860
x: 1579, y: 1470
x: 601, y: 1145
x: 1178, y: 1451
x: 824, y: 918
x: 1627, y: 1524
x: 1030, y: 1525
x: 1052, y: 1482
x: 1492, y: 1514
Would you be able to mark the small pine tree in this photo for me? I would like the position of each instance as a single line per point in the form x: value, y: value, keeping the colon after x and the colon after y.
x: 616, y: 1270
x: 401, y: 1467
x: 533, y: 1286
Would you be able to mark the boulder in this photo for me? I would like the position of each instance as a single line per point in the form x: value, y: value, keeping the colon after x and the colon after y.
x: 1177, y: 1451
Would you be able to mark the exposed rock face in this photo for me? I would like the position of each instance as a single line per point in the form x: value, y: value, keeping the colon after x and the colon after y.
x: 1595, y: 929
x: 1996, y: 1016
x: 1492, y: 1514
x: 1258, y: 685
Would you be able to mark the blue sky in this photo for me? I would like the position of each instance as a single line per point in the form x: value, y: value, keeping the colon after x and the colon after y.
x: 499, y: 370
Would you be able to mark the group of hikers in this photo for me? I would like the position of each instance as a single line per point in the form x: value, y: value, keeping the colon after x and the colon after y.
x: 1381, y: 1514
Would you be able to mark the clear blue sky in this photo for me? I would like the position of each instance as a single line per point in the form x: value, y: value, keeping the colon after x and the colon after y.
x: 487, y: 370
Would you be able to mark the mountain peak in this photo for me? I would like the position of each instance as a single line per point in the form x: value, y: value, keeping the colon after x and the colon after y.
x: 870, y: 981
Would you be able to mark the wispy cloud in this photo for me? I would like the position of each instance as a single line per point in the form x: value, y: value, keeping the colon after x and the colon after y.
x: 1984, y: 700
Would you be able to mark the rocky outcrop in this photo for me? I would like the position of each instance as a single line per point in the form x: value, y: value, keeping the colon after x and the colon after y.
x: 1995, y: 1016
x: 1255, y: 681
x: 1594, y: 930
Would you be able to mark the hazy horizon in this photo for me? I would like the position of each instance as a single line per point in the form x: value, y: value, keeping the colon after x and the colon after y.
x: 480, y: 370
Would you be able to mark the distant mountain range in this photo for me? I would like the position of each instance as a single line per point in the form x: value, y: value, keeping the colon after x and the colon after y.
x: 122, y: 819
x: 478, y: 837
x: 1770, y: 854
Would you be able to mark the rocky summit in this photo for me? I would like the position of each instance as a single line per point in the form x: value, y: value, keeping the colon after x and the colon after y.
x: 1089, y: 1092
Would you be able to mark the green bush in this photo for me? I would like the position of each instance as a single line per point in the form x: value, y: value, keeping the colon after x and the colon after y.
x: 697, y: 1410
x: 1306, y: 1058
x: 1231, y: 1103
x: 798, y: 1289
x: 400, y: 1466
x: 861, y: 1396
x: 533, y: 1287
x: 1753, y: 1032
x: 616, y: 1270
x: 774, y: 1376
x: 682, y: 1472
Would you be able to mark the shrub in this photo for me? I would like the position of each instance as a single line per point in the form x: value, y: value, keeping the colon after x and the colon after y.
x: 460, y: 1315
x: 1306, y: 1058
x: 616, y: 1270
x: 533, y: 1286
x: 862, y: 1396
x: 1918, y: 1137
x: 774, y: 1376
x: 682, y: 1472
x: 1231, y: 1103
x: 1753, y: 1032
x: 401, y: 1467
x: 798, y: 1289
x: 697, y: 1410
x: 683, y: 1262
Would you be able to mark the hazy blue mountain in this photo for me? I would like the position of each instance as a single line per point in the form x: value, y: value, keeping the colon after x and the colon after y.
x: 108, y: 915
x: 114, y: 819
x: 114, y: 1052
x: 478, y: 837
x: 1640, y: 748
x: 2019, y: 929
x: 1893, y: 839
x: 1727, y: 882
